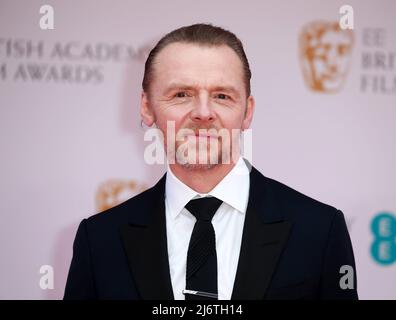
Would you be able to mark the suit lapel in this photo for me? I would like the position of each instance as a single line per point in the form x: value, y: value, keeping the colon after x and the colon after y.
x: 264, y: 237
x: 145, y: 243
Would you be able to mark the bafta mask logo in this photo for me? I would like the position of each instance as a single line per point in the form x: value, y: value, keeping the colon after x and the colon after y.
x: 113, y: 192
x: 325, y: 54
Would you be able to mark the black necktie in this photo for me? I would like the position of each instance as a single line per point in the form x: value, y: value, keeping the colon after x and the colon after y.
x: 201, y: 274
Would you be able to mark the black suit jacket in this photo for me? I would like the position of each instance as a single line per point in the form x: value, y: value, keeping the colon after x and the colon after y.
x: 292, y: 248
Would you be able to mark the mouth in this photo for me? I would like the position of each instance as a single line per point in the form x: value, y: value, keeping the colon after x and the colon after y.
x: 199, y: 133
x: 202, y: 136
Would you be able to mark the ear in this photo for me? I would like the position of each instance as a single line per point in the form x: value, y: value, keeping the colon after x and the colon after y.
x: 146, y: 112
x: 248, y: 113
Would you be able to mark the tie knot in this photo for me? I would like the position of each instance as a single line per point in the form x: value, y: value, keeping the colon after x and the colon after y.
x: 204, y: 208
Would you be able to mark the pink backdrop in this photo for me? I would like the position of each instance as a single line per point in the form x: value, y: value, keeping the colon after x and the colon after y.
x: 70, y: 135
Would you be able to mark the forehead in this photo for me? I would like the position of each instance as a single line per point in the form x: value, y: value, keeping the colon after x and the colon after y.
x: 202, y: 65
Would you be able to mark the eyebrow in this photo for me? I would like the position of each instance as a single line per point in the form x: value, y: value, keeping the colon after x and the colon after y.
x: 182, y: 86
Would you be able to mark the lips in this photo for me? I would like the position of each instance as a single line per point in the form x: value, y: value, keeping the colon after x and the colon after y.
x: 202, y: 136
x: 206, y: 135
x: 212, y: 133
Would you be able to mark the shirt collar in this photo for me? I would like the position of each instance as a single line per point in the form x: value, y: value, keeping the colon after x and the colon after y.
x: 233, y: 189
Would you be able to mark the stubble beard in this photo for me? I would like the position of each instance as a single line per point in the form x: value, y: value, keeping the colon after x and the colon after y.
x: 210, y: 161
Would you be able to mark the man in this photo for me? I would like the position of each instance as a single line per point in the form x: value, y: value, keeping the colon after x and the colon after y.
x: 213, y: 229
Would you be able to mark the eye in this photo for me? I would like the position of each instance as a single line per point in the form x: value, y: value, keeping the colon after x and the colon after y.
x: 223, y: 96
x: 181, y: 94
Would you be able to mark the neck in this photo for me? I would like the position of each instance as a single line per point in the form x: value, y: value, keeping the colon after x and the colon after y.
x: 202, y: 180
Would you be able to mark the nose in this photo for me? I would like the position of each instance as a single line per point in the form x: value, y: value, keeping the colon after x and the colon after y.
x: 203, y: 111
x: 332, y: 56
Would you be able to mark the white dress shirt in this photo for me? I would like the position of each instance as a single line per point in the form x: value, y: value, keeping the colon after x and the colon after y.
x: 228, y: 223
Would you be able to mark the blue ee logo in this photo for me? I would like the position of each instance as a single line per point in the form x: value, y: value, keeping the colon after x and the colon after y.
x: 383, y: 248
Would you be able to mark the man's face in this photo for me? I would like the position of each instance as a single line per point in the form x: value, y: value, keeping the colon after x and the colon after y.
x: 198, y: 87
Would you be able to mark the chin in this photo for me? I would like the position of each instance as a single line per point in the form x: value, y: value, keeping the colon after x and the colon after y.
x: 198, y: 167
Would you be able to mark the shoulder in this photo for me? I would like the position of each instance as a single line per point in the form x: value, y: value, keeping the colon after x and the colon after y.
x: 295, y: 205
x: 133, y: 209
